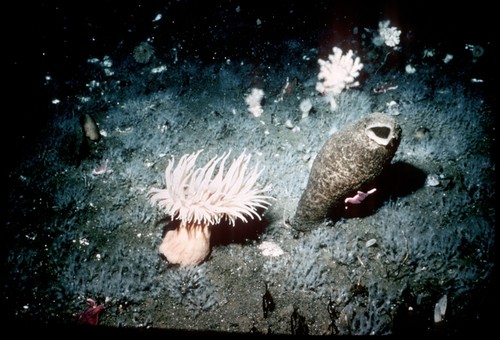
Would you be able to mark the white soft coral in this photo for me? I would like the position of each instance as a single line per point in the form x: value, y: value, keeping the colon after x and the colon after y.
x: 387, y: 35
x: 337, y: 73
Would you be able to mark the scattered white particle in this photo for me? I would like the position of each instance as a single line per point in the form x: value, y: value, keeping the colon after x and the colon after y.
x: 432, y: 180
x: 106, y: 61
x: 98, y: 257
x: 476, y: 50
x: 159, y: 69
x: 392, y: 108
x: 475, y: 80
x: 126, y: 130
x: 258, y: 22
x: 84, y: 99
x: 139, y: 235
x: 410, y: 69
x: 238, y: 9
x: 447, y: 58
x: 157, y: 17
x: 55, y: 101
x: 440, y: 309
x: 26, y: 307
x: 103, y: 133
x: 429, y: 52
x: 93, y: 83
x: 83, y: 242
x: 31, y: 237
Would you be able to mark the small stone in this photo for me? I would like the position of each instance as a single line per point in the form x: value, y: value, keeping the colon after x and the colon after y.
x: 289, y: 124
x: 440, y: 309
x: 422, y: 133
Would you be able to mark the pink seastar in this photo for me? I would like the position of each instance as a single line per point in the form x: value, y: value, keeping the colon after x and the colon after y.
x: 103, y: 169
x: 384, y: 88
x: 359, y: 197
x: 91, y: 315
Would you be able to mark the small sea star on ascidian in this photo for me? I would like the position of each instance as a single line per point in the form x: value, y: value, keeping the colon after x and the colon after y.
x: 359, y: 197
x: 91, y: 315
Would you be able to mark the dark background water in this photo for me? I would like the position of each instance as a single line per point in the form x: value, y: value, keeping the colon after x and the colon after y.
x: 57, y: 37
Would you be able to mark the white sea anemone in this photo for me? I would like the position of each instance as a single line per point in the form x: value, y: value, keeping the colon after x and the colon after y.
x: 200, y: 200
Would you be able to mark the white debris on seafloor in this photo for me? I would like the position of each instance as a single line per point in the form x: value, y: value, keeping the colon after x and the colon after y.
x: 305, y: 107
x: 432, y: 180
x: 440, y: 309
x: 447, y: 58
x: 392, y: 108
x: 269, y: 248
x: 289, y: 124
x: 410, y: 69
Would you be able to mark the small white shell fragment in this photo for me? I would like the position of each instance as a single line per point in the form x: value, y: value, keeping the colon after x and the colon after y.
x: 440, y: 309
x: 305, y: 107
x: 370, y: 242
x: 289, y: 124
x: 269, y: 248
x: 432, y: 180
x: 410, y: 69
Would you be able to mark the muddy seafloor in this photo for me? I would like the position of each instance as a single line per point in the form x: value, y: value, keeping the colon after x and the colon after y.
x: 426, y: 235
